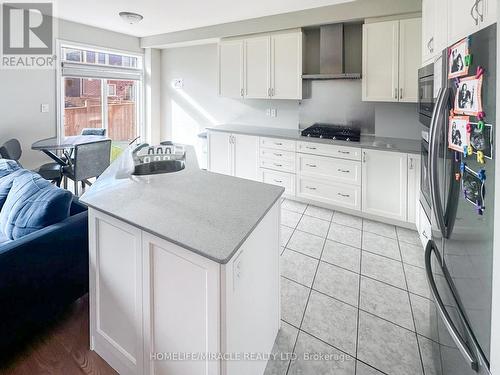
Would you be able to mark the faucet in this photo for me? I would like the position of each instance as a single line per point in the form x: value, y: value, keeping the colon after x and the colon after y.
x: 136, y: 150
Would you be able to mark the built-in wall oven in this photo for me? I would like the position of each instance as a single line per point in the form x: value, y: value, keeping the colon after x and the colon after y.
x: 426, y: 94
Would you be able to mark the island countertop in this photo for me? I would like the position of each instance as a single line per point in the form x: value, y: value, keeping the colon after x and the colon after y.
x: 367, y: 141
x: 208, y: 213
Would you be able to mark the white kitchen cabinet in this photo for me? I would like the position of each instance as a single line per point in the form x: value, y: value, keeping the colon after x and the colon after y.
x: 413, y: 187
x: 391, y: 61
x: 469, y: 16
x: 245, y: 156
x: 385, y: 184
x: 150, y: 298
x: 257, y: 67
x: 327, y: 191
x: 233, y: 154
x: 231, y: 66
x: 220, y: 154
x: 286, y: 65
x: 263, y: 66
x: 410, y: 36
x: 434, y: 29
x: 380, y: 61
x: 116, y: 295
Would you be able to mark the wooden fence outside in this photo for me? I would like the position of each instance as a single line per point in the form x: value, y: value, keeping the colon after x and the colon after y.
x: 121, y: 120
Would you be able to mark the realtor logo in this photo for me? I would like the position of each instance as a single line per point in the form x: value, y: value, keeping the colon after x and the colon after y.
x: 27, y: 28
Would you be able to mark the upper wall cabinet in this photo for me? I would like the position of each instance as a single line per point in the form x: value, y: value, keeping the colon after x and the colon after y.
x: 391, y: 61
x: 231, y: 68
x: 264, y: 66
x: 434, y: 33
x: 469, y: 16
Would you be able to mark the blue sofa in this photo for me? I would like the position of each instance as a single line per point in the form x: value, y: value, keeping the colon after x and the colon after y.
x: 41, y: 274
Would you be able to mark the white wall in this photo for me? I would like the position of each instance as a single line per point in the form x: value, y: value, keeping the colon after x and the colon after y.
x: 185, y: 112
x: 23, y: 91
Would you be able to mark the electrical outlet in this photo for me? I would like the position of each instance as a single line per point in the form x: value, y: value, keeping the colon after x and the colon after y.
x: 44, y: 108
x: 274, y: 112
x: 178, y: 83
x: 268, y: 112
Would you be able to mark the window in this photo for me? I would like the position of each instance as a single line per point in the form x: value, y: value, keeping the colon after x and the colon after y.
x: 101, y: 90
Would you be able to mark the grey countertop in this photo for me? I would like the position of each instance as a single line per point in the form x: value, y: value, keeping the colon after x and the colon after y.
x: 207, y: 213
x: 367, y: 141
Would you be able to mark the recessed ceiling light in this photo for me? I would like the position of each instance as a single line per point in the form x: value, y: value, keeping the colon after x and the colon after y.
x: 130, y: 17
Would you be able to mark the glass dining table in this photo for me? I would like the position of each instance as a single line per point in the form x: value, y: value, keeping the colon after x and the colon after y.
x: 52, y: 147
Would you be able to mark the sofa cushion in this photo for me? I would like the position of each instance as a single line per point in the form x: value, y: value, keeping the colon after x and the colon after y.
x: 7, y: 167
x: 32, y: 204
x: 6, y: 183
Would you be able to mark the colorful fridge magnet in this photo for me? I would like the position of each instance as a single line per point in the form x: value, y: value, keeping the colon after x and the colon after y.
x: 473, y: 187
x: 458, y: 136
x: 481, y: 139
x: 468, y: 98
x: 457, y: 59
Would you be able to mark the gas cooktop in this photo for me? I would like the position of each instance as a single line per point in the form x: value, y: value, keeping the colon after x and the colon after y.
x: 330, y: 131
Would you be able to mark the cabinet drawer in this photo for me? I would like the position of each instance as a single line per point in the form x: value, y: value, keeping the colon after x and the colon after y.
x: 277, y: 144
x: 339, y: 170
x: 285, y: 166
x: 351, y: 153
x: 278, y: 155
x: 286, y: 180
x: 330, y: 192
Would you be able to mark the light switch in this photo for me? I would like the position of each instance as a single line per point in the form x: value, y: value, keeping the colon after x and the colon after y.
x: 274, y: 112
x: 44, y: 108
x: 178, y: 83
x: 268, y: 112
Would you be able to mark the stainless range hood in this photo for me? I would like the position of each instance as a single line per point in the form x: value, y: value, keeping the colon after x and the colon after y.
x: 332, y: 63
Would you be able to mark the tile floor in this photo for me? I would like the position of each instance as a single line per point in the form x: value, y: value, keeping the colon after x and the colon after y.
x: 353, y: 292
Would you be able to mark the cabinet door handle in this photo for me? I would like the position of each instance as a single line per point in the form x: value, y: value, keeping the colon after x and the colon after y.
x: 277, y: 165
x: 278, y: 143
x: 343, y: 170
x: 310, y: 188
x: 276, y: 154
x: 395, y: 93
x: 242, y: 92
x: 400, y: 93
x: 278, y: 181
x: 475, y: 6
x: 425, y: 235
x: 269, y: 92
x: 364, y: 157
x: 344, y: 152
x: 311, y: 165
x: 343, y: 195
x: 310, y: 148
x: 432, y: 44
x: 480, y: 15
x: 411, y: 164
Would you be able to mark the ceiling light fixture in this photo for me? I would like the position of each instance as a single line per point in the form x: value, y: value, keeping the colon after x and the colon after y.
x: 130, y: 17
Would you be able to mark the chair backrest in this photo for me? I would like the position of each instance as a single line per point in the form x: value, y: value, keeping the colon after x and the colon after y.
x: 94, y: 131
x: 91, y: 159
x: 11, y: 150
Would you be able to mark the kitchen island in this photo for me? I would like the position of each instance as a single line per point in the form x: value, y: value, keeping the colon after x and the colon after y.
x: 184, y: 270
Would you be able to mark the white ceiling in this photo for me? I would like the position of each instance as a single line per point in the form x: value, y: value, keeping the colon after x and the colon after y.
x: 163, y: 16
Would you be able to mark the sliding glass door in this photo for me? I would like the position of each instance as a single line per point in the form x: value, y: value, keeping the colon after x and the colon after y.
x: 101, y: 90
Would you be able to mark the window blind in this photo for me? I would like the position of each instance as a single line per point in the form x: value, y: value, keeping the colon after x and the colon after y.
x: 80, y: 70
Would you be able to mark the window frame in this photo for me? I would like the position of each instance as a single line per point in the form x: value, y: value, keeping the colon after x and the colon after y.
x: 140, y: 94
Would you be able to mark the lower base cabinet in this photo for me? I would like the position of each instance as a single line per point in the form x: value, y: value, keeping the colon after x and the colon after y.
x: 343, y: 195
x: 283, y: 179
x: 385, y: 184
x: 152, y: 301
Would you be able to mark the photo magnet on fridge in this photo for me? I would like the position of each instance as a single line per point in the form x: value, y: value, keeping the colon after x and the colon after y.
x: 473, y: 187
x: 458, y: 137
x: 468, y: 97
x: 457, y: 66
x: 482, y: 140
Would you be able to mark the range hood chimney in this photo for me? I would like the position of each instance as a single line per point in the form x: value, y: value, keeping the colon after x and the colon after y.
x: 331, y: 55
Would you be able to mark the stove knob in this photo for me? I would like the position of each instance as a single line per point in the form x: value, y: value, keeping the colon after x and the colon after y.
x: 334, y: 137
x: 348, y: 139
x: 321, y: 136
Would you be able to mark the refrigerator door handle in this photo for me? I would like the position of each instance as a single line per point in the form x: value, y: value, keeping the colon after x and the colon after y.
x: 448, y: 322
x: 437, y: 205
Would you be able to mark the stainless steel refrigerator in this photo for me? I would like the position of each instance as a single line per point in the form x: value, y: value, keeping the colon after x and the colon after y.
x: 459, y: 256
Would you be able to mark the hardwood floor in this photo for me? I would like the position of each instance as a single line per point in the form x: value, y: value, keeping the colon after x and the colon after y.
x: 62, y: 350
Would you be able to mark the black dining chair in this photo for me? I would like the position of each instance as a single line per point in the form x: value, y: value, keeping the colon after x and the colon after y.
x: 50, y: 171
x: 94, y: 131
x: 89, y: 160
